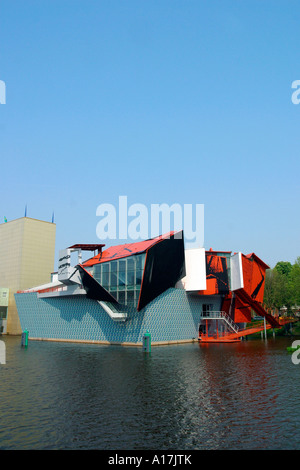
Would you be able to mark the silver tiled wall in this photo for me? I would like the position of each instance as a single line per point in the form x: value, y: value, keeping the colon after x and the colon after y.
x: 173, y: 316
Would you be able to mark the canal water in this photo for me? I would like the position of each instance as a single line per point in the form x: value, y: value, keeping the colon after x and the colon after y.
x: 188, y: 397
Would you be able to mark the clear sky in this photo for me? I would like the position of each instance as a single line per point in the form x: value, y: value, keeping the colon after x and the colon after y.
x: 164, y: 101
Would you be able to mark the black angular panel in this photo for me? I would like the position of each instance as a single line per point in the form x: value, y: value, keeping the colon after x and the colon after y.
x: 94, y: 290
x: 164, y: 267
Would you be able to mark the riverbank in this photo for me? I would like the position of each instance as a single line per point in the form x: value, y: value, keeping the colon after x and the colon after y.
x: 289, y: 329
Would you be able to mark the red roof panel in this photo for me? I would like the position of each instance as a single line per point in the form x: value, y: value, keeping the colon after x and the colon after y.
x: 122, y: 251
x: 254, y: 256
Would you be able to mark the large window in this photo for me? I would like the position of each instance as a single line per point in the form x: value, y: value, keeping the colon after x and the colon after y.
x: 3, y: 313
x: 122, y: 278
x: 206, y: 309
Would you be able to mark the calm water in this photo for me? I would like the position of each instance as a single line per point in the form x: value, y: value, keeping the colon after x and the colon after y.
x: 187, y: 397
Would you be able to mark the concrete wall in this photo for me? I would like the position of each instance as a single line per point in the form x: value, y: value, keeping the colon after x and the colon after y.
x: 27, y: 250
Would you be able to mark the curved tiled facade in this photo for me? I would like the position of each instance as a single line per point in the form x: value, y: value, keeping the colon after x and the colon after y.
x: 173, y: 316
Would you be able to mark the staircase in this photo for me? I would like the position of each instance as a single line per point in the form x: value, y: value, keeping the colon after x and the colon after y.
x: 220, y: 315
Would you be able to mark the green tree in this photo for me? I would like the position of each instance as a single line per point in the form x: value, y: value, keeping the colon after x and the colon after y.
x: 283, y: 267
x: 282, y: 286
x: 269, y: 292
x: 275, y: 289
x: 282, y: 296
x: 294, y: 281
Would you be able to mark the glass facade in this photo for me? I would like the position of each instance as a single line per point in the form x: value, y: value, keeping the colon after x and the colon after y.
x: 3, y: 313
x: 122, y: 278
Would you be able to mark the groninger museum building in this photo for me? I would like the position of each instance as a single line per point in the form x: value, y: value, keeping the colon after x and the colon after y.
x: 153, y: 286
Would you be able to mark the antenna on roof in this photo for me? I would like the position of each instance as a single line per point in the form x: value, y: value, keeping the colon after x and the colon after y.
x: 53, y: 217
x: 25, y: 215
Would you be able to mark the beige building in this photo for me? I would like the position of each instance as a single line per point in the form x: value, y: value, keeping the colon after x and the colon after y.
x: 27, y: 251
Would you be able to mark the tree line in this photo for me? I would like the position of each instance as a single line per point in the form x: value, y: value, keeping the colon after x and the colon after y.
x: 282, y: 286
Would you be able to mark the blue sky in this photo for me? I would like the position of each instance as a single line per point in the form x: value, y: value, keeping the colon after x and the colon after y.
x: 164, y: 101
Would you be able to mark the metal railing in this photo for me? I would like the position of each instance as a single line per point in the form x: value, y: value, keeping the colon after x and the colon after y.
x: 220, y: 315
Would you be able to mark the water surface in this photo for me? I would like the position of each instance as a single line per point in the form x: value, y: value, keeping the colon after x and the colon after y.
x: 188, y: 397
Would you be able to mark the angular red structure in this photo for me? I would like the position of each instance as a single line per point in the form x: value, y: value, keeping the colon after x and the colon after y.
x: 238, y: 303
